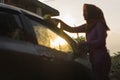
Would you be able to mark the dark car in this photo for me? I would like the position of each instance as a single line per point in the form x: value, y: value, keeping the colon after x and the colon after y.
x: 31, y: 48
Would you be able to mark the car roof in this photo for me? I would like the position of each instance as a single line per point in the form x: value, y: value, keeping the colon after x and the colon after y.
x: 18, y: 10
x: 5, y: 6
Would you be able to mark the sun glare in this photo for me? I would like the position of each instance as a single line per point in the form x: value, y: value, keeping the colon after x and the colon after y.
x: 57, y: 42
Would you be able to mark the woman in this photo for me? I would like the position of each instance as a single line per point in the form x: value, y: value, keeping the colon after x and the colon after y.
x: 96, y: 33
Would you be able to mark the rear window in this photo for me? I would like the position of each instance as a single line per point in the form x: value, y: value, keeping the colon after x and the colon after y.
x: 9, y: 25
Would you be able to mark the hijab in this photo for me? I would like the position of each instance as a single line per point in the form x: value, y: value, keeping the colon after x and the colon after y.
x: 92, y: 14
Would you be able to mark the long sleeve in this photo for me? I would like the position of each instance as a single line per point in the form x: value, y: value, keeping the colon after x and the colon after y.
x: 78, y: 29
x: 64, y: 26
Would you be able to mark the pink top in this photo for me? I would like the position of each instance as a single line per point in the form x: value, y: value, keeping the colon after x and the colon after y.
x: 96, y: 38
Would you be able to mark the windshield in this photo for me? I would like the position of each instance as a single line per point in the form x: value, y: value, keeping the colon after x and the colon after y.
x: 48, y: 38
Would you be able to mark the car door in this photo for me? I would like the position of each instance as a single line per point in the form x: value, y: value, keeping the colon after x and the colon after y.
x: 17, y: 53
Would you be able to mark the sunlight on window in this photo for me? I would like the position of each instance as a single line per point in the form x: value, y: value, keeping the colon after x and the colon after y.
x: 57, y: 43
x: 48, y: 38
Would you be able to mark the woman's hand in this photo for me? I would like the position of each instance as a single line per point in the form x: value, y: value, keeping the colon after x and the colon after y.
x: 51, y: 20
x: 55, y: 20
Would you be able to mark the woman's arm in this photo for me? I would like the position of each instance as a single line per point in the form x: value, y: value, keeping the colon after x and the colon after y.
x: 78, y: 29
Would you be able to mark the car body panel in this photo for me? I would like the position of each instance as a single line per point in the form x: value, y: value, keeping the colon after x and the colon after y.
x: 22, y: 57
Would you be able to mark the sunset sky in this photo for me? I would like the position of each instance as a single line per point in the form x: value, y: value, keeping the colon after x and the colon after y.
x: 71, y: 13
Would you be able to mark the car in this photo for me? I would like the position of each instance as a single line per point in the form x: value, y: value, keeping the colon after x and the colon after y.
x: 32, y: 48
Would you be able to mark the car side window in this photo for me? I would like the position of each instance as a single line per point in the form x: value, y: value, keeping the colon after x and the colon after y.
x: 10, y: 26
x: 48, y: 38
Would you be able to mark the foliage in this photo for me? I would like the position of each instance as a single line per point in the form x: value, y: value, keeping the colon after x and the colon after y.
x: 115, y: 67
x: 79, y: 39
x: 82, y: 46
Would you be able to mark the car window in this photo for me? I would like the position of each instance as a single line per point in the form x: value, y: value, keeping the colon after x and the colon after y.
x: 48, y: 38
x: 10, y: 26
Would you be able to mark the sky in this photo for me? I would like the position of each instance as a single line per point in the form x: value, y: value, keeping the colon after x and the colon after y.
x: 71, y: 12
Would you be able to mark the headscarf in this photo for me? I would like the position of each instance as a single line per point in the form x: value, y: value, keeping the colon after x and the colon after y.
x: 92, y: 14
